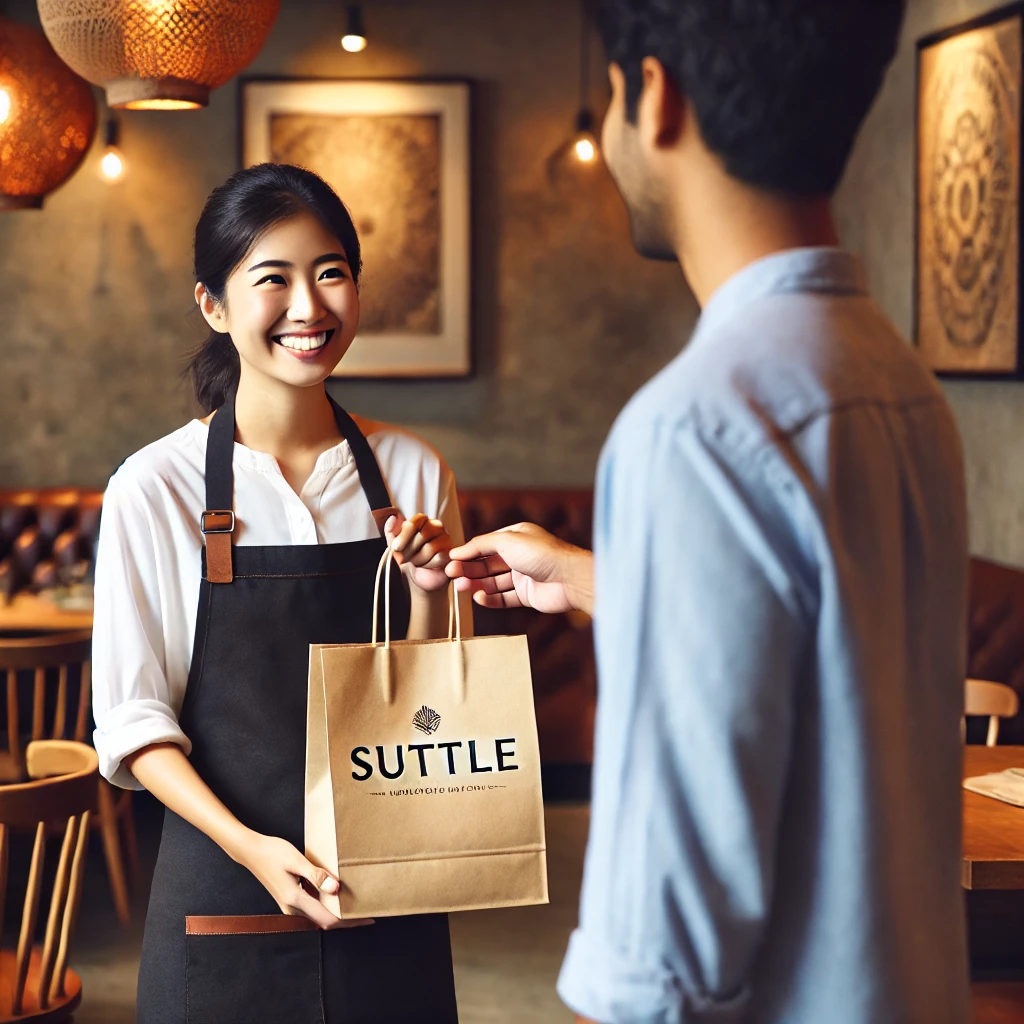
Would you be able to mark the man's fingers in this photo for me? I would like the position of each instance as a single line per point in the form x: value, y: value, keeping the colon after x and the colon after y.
x: 484, y: 546
x: 478, y: 569
x: 502, y: 584
x: 506, y: 599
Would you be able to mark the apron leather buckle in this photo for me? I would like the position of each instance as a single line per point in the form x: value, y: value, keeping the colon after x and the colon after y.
x: 218, y: 521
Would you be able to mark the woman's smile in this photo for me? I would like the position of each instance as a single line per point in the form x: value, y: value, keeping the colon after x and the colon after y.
x: 303, y: 344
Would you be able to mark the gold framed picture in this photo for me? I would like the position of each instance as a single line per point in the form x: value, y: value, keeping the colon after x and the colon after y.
x: 397, y: 153
x: 967, y: 197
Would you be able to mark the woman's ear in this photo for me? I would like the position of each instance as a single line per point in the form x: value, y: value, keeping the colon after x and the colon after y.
x: 213, y: 311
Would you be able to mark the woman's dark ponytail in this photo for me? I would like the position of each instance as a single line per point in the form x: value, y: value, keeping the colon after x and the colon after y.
x: 235, y: 216
x: 214, y: 369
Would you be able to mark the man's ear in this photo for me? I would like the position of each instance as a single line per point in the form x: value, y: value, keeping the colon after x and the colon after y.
x: 661, y: 111
x: 212, y: 310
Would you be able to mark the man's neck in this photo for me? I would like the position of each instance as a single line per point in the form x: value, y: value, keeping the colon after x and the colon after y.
x: 730, y: 226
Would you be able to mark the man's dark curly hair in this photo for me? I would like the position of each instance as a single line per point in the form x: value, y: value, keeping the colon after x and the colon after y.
x: 780, y: 87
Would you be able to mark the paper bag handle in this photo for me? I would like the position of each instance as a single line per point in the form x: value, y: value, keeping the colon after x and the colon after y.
x: 384, y: 568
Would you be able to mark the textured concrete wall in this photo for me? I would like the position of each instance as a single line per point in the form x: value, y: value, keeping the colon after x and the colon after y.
x: 876, y: 211
x: 95, y: 291
x: 96, y: 294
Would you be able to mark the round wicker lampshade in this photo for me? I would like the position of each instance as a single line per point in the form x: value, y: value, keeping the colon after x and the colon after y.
x: 47, y: 117
x: 158, y: 54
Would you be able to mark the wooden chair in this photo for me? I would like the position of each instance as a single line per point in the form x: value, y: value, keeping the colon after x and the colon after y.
x: 995, y: 700
x: 57, y: 652
x: 36, y: 983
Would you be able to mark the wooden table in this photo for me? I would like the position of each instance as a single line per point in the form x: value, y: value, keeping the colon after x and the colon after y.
x: 993, y: 855
x: 28, y: 613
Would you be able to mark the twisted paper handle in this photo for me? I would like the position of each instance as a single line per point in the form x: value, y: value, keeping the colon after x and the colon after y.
x: 454, y: 625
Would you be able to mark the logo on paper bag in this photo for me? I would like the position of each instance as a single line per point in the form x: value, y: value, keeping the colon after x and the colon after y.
x: 426, y: 720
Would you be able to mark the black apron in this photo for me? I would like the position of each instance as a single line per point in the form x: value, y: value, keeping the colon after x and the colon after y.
x: 245, y: 713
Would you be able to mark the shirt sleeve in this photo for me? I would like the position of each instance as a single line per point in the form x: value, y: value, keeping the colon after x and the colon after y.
x: 700, y: 627
x: 132, y: 703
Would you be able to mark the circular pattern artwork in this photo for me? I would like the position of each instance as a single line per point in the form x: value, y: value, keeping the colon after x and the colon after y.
x: 971, y: 190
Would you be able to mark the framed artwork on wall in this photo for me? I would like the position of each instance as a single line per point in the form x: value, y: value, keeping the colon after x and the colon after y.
x: 397, y: 153
x: 967, y: 318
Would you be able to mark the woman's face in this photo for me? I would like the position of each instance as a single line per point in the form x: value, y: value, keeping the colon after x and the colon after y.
x: 291, y: 305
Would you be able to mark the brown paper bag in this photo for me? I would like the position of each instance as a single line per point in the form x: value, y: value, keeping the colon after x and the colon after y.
x: 423, y: 788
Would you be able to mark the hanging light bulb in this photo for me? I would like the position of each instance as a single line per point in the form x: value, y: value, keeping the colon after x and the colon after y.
x: 354, y: 39
x: 580, y: 149
x: 112, y: 166
x: 5, y: 105
x: 584, y: 145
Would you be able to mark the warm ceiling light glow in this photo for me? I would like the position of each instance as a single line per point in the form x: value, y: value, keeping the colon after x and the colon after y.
x: 162, y: 105
x: 585, y: 150
x: 354, y: 39
x: 48, y: 115
x: 112, y: 166
x: 158, y: 54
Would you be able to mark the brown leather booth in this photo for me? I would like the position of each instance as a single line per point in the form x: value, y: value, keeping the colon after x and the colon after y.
x: 48, y: 540
x: 47, y: 537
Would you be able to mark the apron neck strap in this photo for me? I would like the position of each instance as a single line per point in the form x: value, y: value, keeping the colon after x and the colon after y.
x: 218, y: 520
x: 374, y: 487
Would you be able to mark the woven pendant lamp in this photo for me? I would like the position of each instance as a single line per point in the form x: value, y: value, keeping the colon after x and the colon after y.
x: 47, y: 117
x: 158, y: 54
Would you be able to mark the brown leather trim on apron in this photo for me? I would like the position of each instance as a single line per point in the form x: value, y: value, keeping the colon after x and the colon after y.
x: 247, y: 924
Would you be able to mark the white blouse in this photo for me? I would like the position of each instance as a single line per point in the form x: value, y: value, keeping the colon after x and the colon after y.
x: 148, y: 560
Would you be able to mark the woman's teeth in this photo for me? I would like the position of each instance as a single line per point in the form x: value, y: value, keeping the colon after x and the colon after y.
x: 303, y: 342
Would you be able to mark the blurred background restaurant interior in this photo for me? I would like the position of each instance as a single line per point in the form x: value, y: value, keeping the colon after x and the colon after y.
x: 565, y: 322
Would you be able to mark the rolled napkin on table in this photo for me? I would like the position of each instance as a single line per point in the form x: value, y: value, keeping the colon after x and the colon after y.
x: 1007, y: 786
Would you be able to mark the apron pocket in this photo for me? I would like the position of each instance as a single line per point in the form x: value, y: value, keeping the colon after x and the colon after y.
x: 252, y: 970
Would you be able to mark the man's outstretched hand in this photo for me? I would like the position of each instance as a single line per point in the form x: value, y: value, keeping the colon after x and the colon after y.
x: 524, y: 566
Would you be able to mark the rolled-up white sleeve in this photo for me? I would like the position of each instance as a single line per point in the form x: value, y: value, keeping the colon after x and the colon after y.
x: 133, y: 706
x: 700, y: 631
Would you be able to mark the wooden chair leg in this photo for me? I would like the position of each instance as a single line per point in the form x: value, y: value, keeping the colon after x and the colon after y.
x: 112, y: 851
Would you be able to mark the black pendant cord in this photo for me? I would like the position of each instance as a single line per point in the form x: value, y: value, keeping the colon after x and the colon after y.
x: 584, y: 58
x: 220, y: 452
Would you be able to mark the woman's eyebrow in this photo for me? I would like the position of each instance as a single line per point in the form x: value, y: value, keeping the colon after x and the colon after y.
x: 329, y: 257
x: 269, y: 263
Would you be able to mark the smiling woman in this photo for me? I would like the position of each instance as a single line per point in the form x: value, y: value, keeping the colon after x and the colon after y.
x: 225, y: 550
x: 300, y: 276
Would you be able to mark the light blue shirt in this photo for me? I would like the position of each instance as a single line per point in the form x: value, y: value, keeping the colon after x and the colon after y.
x: 781, y: 561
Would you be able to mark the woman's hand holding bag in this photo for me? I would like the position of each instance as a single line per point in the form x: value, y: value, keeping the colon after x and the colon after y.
x: 291, y: 879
